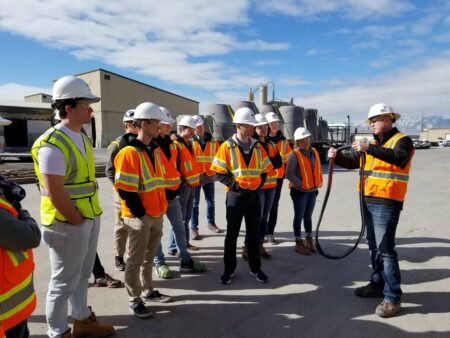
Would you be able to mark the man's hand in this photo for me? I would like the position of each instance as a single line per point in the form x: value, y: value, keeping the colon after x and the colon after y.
x: 360, y: 146
x: 332, y: 152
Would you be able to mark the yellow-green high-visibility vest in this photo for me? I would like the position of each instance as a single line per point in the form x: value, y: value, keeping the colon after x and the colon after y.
x: 79, y: 179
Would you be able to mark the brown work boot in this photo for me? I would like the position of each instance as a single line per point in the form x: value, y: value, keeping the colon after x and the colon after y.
x: 195, y: 236
x: 244, y: 253
x: 310, y: 244
x: 191, y: 247
x: 263, y: 253
x: 91, y: 327
x: 387, y: 309
x: 301, y: 248
x: 67, y: 334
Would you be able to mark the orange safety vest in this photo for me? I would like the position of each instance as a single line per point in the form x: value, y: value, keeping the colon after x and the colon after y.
x: 229, y: 159
x: 187, y: 164
x: 383, y: 179
x: 311, y: 179
x: 17, y: 296
x: 206, y: 157
x: 285, y: 150
x: 271, y: 179
x: 136, y: 173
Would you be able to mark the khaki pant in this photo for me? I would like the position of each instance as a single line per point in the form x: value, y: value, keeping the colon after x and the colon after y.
x: 120, y: 231
x: 144, y: 236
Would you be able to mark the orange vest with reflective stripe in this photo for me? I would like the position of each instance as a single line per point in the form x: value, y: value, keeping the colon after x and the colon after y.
x: 17, y: 296
x: 230, y: 160
x: 206, y: 157
x: 271, y: 179
x: 136, y: 173
x: 285, y: 150
x: 187, y: 165
x: 2, y: 332
x: 311, y: 178
x: 383, y: 179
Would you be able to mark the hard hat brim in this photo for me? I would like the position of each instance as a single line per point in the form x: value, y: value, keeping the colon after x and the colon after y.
x: 395, y: 115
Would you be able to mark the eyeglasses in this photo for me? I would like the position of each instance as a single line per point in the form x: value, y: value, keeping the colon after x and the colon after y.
x: 84, y: 104
x: 375, y: 119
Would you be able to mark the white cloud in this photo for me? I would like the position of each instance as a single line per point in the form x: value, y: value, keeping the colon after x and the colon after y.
x: 354, y: 9
x: 422, y: 88
x: 166, y: 39
x: 17, y: 92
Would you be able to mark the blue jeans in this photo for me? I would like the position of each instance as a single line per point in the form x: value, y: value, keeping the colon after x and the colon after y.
x: 304, y: 203
x: 69, y: 272
x: 208, y: 189
x: 266, y: 197
x: 177, y: 229
x: 381, y: 222
x: 186, y: 199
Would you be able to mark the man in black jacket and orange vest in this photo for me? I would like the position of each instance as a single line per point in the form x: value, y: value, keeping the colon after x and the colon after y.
x: 386, y: 175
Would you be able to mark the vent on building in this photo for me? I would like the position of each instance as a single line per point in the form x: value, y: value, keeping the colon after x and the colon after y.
x: 107, y: 77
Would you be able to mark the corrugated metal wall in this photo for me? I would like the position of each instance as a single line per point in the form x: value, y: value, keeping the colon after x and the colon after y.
x: 118, y: 94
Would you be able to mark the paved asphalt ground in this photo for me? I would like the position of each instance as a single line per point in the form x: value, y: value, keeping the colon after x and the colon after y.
x: 307, y: 296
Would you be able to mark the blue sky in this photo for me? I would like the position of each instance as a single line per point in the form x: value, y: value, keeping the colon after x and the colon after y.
x: 338, y: 56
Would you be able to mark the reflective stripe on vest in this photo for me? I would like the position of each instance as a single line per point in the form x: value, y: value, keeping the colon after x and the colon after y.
x: 386, y: 180
x: 17, y: 296
x: 205, y: 157
x: 271, y: 179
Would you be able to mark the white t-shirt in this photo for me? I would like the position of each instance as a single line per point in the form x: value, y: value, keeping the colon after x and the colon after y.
x: 51, y: 159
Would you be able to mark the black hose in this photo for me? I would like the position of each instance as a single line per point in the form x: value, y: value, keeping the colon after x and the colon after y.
x: 362, y: 206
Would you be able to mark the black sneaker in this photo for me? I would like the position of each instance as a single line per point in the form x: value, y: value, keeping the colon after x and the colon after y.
x: 120, y: 264
x: 260, y: 276
x: 225, y: 279
x: 156, y: 296
x: 140, y: 310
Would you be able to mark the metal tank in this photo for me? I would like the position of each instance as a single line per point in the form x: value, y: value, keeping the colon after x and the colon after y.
x: 293, y: 118
x: 249, y: 104
x: 222, y: 116
x: 323, y: 131
x: 310, y: 115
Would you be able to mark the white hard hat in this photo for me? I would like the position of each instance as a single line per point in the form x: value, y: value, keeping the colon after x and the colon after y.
x: 167, y: 116
x: 301, y: 133
x: 260, y: 120
x: 71, y: 87
x: 148, y: 111
x: 245, y: 116
x: 272, y: 117
x: 381, y: 109
x: 187, y: 121
x: 128, y: 116
x: 198, y: 120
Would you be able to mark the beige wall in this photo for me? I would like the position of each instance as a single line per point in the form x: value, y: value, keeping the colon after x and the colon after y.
x: 434, y: 135
x: 118, y: 94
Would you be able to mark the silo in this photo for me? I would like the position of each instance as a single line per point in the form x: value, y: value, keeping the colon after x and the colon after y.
x: 249, y: 104
x: 311, y: 122
x: 222, y: 116
x: 293, y: 118
x: 323, y: 131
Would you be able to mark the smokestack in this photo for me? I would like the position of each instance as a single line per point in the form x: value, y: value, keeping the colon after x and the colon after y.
x: 262, y: 95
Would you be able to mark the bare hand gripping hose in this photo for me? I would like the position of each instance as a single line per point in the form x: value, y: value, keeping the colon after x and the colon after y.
x: 362, y: 206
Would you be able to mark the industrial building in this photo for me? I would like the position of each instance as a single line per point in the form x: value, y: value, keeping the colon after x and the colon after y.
x: 435, y: 134
x: 118, y: 94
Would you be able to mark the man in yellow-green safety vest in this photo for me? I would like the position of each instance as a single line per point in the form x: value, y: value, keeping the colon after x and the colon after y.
x: 70, y: 211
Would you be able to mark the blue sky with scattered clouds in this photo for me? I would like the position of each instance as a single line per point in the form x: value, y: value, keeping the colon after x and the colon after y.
x: 338, y: 56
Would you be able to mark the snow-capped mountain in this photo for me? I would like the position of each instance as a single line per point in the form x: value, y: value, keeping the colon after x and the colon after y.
x: 412, y: 125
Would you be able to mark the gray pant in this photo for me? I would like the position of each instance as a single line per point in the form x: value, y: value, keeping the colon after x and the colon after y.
x: 144, y: 235
x: 186, y: 199
x: 72, y: 251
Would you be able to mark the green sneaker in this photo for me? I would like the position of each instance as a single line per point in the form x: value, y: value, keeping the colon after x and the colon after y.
x: 192, y: 266
x: 163, y: 271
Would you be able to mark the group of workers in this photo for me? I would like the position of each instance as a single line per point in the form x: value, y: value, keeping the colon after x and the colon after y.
x: 156, y: 172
